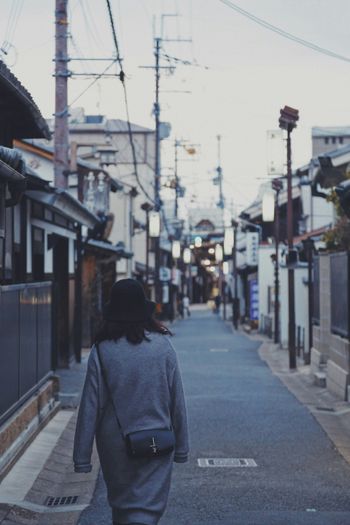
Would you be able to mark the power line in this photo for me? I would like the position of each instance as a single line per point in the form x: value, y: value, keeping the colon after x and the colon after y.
x: 122, y: 79
x: 93, y: 82
x: 283, y: 33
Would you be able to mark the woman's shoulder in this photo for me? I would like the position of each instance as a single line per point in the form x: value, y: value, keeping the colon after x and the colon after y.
x: 162, y: 341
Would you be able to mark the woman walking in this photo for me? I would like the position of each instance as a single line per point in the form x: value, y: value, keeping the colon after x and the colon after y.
x: 133, y: 403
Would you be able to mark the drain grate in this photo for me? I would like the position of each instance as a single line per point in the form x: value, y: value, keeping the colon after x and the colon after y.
x: 325, y: 409
x: 226, y: 462
x: 52, y: 501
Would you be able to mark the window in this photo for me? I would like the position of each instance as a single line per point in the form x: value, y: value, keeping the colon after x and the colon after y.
x: 8, y: 243
x: 48, y: 215
x: 326, y: 140
x: 37, y: 210
x: 61, y: 221
x: 2, y: 210
x: 341, y: 140
x: 334, y: 140
x: 38, y: 254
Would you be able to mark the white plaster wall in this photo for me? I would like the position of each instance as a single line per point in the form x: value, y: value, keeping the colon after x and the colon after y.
x: 265, y: 277
x: 320, y: 212
x: 301, y: 302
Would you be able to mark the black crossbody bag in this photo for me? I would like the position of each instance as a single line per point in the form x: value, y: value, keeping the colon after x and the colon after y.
x: 142, y: 443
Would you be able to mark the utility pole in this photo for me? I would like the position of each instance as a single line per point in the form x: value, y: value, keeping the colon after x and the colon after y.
x: 290, y: 234
x: 221, y: 203
x: 176, y: 145
x: 157, y: 168
x: 277, y: 186
x: 288, y: 121
x: 61, y: 136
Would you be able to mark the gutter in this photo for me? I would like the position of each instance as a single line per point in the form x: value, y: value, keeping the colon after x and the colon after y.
x: 9, y: 174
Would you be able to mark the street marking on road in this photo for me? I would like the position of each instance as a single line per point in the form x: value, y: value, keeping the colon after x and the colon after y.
x: 226, y: 462
x: 218, y: 350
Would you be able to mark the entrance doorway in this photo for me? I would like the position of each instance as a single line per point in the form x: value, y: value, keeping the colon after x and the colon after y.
x: 60, y: 301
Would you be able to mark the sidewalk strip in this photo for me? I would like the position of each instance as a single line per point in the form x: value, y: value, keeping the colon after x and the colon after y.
x: 20, y: 479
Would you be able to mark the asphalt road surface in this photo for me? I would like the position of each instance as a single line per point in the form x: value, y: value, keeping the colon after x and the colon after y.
x: 239, y: 409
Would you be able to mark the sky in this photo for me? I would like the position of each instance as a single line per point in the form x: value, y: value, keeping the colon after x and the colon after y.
x: 240, y: 76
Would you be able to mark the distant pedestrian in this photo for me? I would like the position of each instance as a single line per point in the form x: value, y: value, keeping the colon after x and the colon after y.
x: 217, y: 301
x: 180, y: 306
x: 186, y: 305
x: 133, y: 403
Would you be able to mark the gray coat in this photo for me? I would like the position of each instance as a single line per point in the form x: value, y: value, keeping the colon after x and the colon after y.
x: 147, y: 391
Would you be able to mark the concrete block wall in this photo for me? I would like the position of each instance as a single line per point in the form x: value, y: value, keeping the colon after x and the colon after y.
x: 22, y: 427
x: 329, y: 348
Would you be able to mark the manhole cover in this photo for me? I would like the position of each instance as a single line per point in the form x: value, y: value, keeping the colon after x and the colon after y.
x: 226, y: 462
x: 218, y: 350
x: 53, y: 501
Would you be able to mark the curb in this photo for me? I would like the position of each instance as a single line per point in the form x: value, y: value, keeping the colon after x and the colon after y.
x: 331, y: 413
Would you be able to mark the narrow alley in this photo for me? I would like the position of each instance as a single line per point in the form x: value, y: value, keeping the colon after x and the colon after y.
x: 239, y: 409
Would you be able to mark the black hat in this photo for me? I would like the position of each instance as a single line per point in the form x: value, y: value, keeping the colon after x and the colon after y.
x: 128, y: 302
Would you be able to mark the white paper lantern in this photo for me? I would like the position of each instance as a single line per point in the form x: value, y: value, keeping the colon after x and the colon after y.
x: 198, y: 241
x: 228, y: 241
x: 219, y: 255
x: 187, y: 256
x: 176, y: 249
x: 154, y: 224
x: 268, y: 206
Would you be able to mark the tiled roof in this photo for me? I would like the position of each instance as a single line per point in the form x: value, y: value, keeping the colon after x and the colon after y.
x: 332, y: 131
x: 19, y: 92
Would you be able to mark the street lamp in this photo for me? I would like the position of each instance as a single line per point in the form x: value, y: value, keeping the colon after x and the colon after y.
x: 154, y: 231
x: 235, y: 304
x: 288, y: 121
x: 147, y: 207
x: 187, y: 258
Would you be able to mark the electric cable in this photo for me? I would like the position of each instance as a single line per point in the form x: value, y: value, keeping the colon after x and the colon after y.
x: 283, y: 33
x: 122, y: 79
x: 93, y: 82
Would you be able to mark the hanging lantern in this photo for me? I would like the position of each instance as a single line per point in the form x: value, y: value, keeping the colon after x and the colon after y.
x: 228, y: 241
x: 154, y: 224
x: 187, y: 256
x: 219, y: 255
x: 176, y: 249
x: 268, y: 206
x: 198, y: 242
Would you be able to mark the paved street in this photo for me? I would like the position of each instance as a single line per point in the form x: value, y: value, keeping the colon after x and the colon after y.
x: 239, y: 409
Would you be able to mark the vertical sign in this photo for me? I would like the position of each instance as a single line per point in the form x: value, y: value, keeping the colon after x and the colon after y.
x: 252, y: 248
x: 275, y: 153
x: 254, y: 300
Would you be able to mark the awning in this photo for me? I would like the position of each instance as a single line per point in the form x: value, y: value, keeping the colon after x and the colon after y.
x: 112, y: 249
x: 66, y: 204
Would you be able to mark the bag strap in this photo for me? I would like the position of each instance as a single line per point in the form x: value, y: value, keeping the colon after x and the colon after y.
x: 108, y: 388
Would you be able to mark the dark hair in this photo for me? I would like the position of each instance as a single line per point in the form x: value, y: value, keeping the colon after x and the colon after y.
x: 134, y: 332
